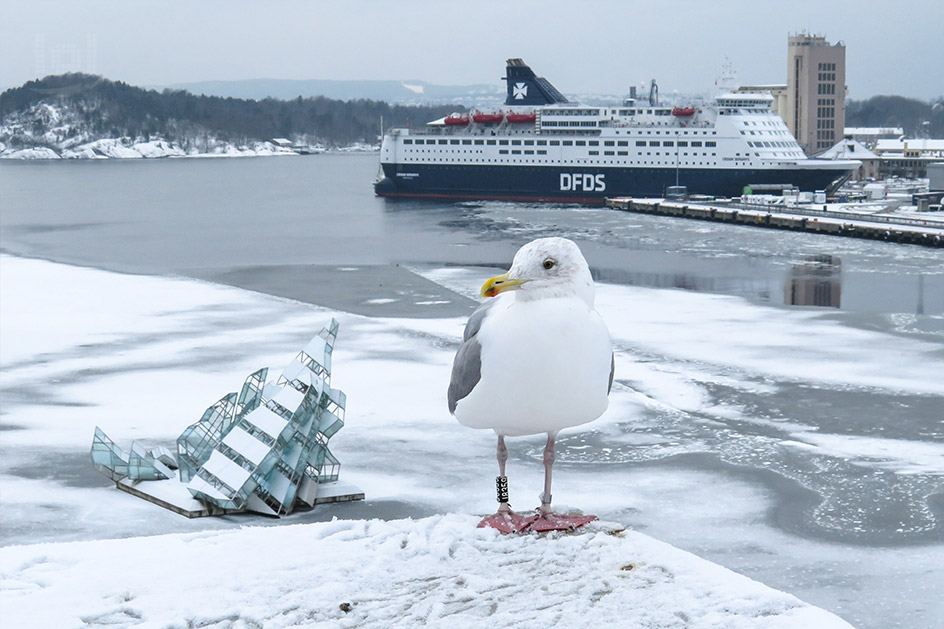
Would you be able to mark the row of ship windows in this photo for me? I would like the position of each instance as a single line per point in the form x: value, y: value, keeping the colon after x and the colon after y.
x: 545, y: 142
x: 568, y: 123
x: 669, y: 154
x: 529, y: 161
x: 544, y: 152
x: 763, y: 123
x: 591, y: 153
x: 735, y: 112
x: 762, y: 133
x: 771, y: 144
x: 540, y: 152
x: 695, y: 143
x: 597, y: 112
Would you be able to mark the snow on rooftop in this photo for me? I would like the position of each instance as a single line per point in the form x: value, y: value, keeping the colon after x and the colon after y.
x: 316, y: 348
x: 439, y: 571
x: 247, y: 445
x: 289, y: 398
x: 912, y: 144
x: 298, y: 371
x: 267, y: 421
x: 226, y: 470
x: 873, y: 131
x: 848, y: 149
x: 198, y: 485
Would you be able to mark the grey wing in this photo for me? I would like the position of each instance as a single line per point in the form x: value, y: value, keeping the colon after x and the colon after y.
x: 612, y: 369
x: 474, y: 323
x: 467, y: 367
x: 466, y: 372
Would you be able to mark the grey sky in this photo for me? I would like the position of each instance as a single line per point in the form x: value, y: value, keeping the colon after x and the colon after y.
x: 580, y: 45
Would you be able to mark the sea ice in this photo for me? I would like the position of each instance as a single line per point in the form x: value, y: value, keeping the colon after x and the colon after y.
x: 64, y: 370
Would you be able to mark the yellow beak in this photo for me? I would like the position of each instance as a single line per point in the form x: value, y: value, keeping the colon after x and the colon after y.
x: 500, y: 284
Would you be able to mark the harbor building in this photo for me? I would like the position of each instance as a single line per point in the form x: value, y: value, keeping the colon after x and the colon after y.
x: 815, y: 110
x: 849, y: 148
x: 908, y: 157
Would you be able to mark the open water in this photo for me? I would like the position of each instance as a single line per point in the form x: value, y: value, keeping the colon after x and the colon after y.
x: 273, y: 224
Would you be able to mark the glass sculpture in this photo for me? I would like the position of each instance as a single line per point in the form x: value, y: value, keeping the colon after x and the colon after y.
x: 263, y: 450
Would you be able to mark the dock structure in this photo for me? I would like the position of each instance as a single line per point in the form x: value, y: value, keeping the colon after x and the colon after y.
x: 929, y: 233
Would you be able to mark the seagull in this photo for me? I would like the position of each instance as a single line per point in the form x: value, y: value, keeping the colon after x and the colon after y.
x: 536, y: 358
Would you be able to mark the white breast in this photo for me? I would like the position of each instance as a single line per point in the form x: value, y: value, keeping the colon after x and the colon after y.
x: 545, y: 367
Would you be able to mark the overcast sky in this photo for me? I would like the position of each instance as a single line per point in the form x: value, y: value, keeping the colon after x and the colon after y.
x: 579, y: 45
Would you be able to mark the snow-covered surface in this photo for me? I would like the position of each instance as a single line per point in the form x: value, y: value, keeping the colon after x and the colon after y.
x: 143, y: 356
x: 127, y: 148
x: 434, y: 572
x: 40, y: 152
x: 66, y: 136
x: 171, y: 491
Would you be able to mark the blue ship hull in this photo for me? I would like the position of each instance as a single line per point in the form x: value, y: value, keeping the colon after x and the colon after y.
x: 582, y: 184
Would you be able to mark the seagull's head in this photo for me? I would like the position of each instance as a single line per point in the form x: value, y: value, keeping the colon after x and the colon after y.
x: 546, y: 267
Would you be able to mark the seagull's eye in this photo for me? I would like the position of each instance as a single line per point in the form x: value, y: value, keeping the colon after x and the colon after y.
x: 549, y: 264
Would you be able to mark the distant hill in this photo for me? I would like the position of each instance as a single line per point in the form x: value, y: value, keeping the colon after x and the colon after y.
x: 69, y: 115
x: 897, y: 111
x: 394, y: 92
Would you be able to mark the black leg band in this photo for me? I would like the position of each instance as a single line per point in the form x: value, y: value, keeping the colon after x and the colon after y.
x: 501, y: 485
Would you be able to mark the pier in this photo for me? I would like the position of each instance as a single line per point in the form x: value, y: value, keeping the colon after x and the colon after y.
x: 929, y: 233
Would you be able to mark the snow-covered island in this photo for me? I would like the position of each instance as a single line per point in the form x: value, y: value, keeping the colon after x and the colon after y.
x: 80, y: 116
x: 57, y: 132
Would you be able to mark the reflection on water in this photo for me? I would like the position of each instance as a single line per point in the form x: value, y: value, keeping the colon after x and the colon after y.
x: 755, y: 288
x: 816, y: 281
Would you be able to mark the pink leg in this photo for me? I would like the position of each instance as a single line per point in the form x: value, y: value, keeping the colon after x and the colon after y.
x: 549, y: 456
x: 506, y: 520
x: 548, y: 520
x: 502, y: 480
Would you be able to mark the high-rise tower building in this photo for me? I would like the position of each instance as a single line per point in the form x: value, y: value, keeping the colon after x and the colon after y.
x: 816, y: 91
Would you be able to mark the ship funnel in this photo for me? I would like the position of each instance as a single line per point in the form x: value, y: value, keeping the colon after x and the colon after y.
x: 524, y: 88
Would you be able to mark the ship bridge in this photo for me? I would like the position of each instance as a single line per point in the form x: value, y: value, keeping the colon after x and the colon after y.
x: 758, y: 103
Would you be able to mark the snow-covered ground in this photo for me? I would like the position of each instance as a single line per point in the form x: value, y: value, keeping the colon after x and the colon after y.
x: 434, y: 572
x: 142, y: 357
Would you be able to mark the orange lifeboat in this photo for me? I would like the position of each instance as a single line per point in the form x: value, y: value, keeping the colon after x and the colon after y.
x: 457, y: 120
x: 481, y: 118
x: 683, y: 111
x: 521, y: 118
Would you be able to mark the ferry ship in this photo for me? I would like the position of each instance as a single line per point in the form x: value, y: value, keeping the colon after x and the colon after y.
x: 541, y: 147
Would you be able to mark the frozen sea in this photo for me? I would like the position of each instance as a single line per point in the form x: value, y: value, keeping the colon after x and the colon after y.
x: 779, y: 406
